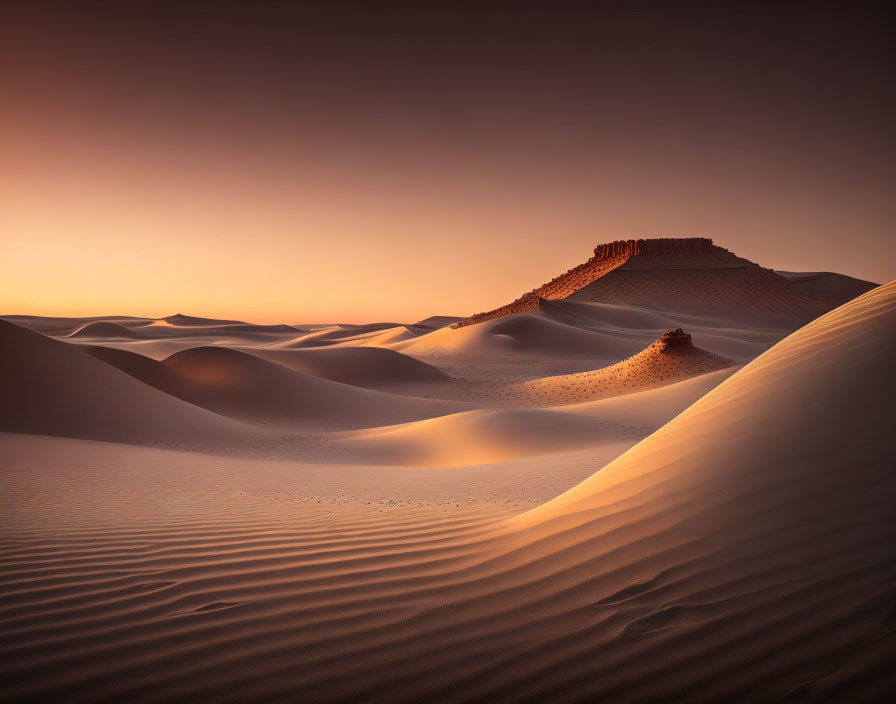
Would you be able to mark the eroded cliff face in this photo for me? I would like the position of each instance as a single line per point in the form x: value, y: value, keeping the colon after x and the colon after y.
x: 659, y: 246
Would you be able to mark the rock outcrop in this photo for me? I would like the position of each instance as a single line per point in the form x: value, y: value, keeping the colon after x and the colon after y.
x: 674, y: 338
x: 673, y: 274
x: 606, y: 257
x: 659, y: 246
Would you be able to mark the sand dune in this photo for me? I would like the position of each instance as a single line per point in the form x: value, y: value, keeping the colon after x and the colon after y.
x: 245, y: 387
x: 61, y: 327
x: 436, y: 321
x: 371, y: 367
x: 671, y: 358
x: 480, y: 437
x: 485, y: 437
x: 651, y: 407
x: 518, y: 335
x: 192, y: 321
x: 769, y: 510
x: 253, y: 329
x: 53, y: 388
x: 673, y: 528
x: 104, y: 329
x: 828, y: 285
x: 741, y: 553
x: 323, y: 337
x: 387, y: 337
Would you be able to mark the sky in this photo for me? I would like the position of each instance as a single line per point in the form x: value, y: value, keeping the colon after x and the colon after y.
x: 351, y: 162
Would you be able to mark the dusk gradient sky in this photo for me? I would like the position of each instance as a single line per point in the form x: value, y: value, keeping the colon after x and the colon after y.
x: 309, y: 162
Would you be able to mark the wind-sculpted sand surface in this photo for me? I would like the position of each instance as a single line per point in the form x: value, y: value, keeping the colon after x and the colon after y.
x: 575, y: 503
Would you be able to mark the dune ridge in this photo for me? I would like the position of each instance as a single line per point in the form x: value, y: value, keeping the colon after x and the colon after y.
x: 104, y: 329
x: 248, y: 388
x: 370, y: 367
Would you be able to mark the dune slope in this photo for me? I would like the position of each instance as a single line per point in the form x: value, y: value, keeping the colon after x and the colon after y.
x: 758, y: 531
x: 251, y: 389
x: 522, y: 334
x: 480, y: 437
x: 828, y: 285
x: 371, y: 367
x: 670, y: 359
x: 53, y: 388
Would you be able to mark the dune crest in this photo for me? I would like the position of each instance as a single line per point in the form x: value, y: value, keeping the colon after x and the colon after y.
x: 104, y: 329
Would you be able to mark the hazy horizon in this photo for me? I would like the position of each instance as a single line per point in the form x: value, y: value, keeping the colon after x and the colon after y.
x: 287, y: 163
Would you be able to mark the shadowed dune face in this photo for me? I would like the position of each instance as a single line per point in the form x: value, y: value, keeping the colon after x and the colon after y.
x: 372, y: 367
x: 828, y: 285
x: 743, y: 552
x: 53, y: 388
x: 247, y: 388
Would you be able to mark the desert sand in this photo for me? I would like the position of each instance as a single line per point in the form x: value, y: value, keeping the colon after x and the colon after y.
x: 665, y: 475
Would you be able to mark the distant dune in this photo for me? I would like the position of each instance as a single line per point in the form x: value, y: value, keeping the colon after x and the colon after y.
x: 250, y: 389
x: 332, y: 335
x: 519, y: 334
x: 371, y: 367
x: 53, y: 388
x: 192, y: 321
x: 104, y: 329
x: 437, y: 321
x: 828, y: 285
x: 60, y: 326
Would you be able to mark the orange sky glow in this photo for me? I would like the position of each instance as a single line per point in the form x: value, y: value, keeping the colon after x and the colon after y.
x: 327, y: 201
